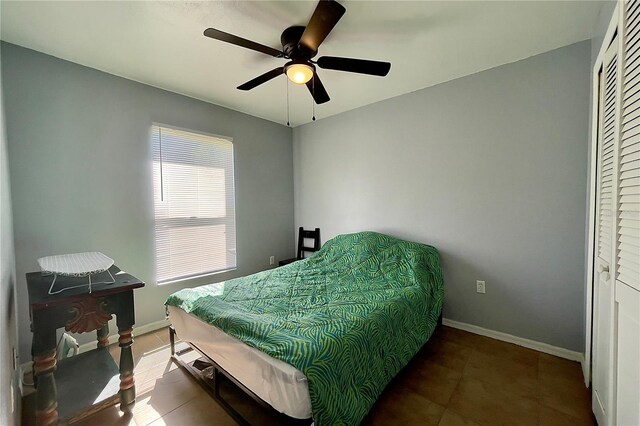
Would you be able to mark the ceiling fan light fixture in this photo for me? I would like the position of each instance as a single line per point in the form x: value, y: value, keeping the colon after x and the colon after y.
x: 299, y: 73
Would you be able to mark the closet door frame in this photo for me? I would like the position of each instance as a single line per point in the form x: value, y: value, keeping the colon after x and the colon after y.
x: 613, y: 29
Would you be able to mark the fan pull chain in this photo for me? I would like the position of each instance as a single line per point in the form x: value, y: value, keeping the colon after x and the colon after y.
x: 313, y: 100
x: 288, y: 123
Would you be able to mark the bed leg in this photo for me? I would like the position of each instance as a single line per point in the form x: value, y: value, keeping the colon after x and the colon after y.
x: 216, y: 382
x: 172, y: 339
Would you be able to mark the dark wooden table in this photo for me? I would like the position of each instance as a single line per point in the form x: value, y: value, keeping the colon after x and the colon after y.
x: 89, y: 381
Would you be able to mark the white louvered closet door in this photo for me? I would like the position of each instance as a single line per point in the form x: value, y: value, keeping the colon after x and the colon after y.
x: 627, y: 254
x: 606, y: 151
x: 603, y: 301
x: 628, y: 232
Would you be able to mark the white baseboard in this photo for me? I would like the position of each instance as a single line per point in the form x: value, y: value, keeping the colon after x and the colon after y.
x: 520, y: 341
x: 113, y: 338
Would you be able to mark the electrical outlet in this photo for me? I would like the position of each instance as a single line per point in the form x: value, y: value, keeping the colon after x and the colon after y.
x: 480, y: 287
x: 272, y: 260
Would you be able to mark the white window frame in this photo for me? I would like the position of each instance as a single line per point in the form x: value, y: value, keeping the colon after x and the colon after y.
x: 195, y: 275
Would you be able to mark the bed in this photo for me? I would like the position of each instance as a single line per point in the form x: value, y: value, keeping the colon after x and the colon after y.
x: 319, y: 338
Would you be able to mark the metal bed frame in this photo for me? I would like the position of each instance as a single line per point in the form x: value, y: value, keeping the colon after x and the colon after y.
x: 213, y: 389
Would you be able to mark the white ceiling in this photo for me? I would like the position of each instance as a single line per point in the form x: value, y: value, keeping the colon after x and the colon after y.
x: 161, y: 44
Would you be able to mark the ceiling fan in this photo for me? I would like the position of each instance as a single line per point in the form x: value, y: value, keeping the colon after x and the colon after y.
x: 299, y: 45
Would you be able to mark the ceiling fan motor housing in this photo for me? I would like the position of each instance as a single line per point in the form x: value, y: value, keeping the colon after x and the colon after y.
x: 290, y: 40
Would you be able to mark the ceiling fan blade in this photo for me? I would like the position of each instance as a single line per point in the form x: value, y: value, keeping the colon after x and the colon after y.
x: 242, y: 42
x: 361, y: 66
x: 317, y: 90
x: 261, y: 79
x: 324, y: 18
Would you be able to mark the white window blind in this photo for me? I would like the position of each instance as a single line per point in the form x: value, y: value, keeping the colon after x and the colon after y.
x: 628, y: 231
x: 608, y: 132
x: 194, y: 201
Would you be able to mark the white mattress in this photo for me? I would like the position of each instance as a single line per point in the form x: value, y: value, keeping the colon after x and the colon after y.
x: 283, y: 386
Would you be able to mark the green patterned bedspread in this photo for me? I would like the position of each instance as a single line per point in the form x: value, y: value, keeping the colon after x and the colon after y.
x: 349, y: 317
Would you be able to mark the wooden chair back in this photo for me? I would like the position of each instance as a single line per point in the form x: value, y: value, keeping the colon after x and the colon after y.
x: 312, y: 235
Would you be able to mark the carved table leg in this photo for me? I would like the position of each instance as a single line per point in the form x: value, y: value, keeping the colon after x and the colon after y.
x: 103, y: 336
x: 127, y: 386
x: 44, y: 365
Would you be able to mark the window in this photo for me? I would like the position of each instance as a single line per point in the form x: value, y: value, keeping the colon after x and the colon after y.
x: 194, y: 201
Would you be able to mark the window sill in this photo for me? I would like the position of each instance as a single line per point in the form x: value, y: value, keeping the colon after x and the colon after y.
x: 195, y: 277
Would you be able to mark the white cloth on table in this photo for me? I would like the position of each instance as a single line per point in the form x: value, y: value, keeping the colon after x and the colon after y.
x: 76, y: 264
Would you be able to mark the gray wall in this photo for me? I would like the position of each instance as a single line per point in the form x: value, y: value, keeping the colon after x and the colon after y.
x: 490, y: 168
x: 81, y: 178
x: 8, y: 339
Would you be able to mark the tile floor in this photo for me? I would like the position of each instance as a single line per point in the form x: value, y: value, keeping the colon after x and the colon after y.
x: 458, y: 378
